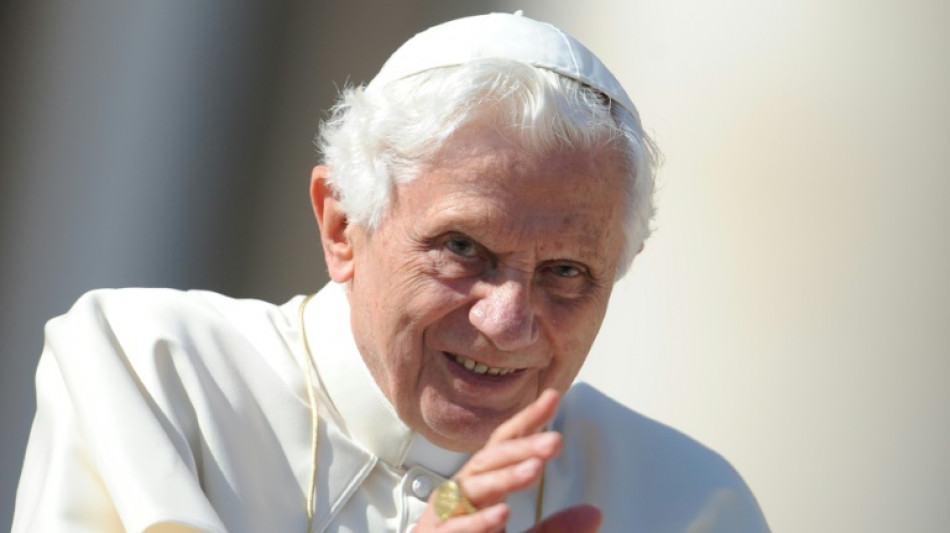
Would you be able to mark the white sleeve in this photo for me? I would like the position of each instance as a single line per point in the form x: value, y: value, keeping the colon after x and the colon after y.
x: 101, y: 457
x: 60, y: 487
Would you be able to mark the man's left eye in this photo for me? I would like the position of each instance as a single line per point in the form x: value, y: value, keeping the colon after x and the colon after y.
x: 566, y: 271
x: 462, y: 246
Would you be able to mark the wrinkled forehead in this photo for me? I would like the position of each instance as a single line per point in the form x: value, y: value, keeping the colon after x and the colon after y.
x: 516, y: 153
x: 481, y: 159
x: 498, y: 143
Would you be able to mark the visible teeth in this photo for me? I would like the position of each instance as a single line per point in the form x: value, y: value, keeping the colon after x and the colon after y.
x: 480, y: 368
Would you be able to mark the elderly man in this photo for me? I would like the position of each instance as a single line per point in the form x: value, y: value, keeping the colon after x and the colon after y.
x: 478, y: 201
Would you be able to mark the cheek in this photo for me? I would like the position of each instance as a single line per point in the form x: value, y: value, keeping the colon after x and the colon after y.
x: 577, y: 323
x: 572, y: 334
x: 421, y: 309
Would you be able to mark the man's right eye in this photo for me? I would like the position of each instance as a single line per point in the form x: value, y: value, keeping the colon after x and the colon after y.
x: 462, y: 246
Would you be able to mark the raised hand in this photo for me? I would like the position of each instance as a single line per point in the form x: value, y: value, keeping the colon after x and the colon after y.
x: 512, y: 460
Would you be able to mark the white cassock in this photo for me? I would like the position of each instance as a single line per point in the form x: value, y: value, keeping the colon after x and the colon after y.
x: 160, y: 410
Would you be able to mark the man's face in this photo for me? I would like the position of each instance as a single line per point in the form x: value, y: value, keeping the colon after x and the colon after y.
x: 486, y: 282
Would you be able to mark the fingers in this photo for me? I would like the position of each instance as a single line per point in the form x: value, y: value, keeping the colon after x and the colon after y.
x: 579, y: 519
x: 541, y: 445
x: 512, y: 460
x: 494, y: 473
x: 494, y: 487
x: 514, y: 457
x: 529, y: 420
x: 488, y: 520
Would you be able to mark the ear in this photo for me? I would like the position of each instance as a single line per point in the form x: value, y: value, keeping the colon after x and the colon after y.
x: 337, y: 248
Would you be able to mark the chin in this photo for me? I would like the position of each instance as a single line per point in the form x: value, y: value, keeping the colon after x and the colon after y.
x: 467, y: 443
x: 460, y: 429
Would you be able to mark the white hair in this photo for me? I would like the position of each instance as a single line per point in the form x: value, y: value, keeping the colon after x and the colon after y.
x: 373, y: 139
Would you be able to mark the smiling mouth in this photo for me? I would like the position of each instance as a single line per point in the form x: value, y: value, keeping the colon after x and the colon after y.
x: 480, y: 368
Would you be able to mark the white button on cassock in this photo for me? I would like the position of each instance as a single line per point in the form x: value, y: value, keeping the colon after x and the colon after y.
x: 422, y: 487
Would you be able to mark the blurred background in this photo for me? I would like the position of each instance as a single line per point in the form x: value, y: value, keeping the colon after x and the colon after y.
x: 792, y: 310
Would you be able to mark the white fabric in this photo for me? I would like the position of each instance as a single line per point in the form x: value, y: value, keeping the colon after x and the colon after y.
x: 161, y: 410
x: 501, y: 36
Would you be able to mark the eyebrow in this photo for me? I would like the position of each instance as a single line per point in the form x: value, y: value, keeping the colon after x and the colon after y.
x: 592, y: 257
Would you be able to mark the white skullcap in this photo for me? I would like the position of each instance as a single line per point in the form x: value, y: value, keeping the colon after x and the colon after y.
x: 501, y: 36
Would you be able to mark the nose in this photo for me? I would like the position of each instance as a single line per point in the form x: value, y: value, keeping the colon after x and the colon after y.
x: 505, y: 314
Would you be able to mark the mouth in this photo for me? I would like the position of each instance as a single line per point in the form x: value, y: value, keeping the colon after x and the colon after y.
x: 479, y: 368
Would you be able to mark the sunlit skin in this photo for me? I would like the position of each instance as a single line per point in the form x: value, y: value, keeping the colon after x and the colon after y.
x: 492, y: 254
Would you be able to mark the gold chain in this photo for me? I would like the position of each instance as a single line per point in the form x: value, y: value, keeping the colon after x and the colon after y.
x: 539, y: 504
x: 306, y: 366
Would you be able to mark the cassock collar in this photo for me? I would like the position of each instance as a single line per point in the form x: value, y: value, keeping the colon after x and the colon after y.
x: 355, y: 400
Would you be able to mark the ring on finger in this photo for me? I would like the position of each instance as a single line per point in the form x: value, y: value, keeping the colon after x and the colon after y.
x: 450, y: 501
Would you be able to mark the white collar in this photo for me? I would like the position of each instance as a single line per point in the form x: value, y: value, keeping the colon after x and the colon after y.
x: 355, y: 400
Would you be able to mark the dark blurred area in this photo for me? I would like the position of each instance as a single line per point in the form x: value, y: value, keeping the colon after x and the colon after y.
x: 165, y: 143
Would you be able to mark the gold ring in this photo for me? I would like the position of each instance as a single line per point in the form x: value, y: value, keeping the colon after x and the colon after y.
x: 450, y: 501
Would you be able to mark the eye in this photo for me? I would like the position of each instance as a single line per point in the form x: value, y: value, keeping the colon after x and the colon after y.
x: 457, y: 256
x: 566, y: 271
x: 566, y: 280
x: 462, y: 246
